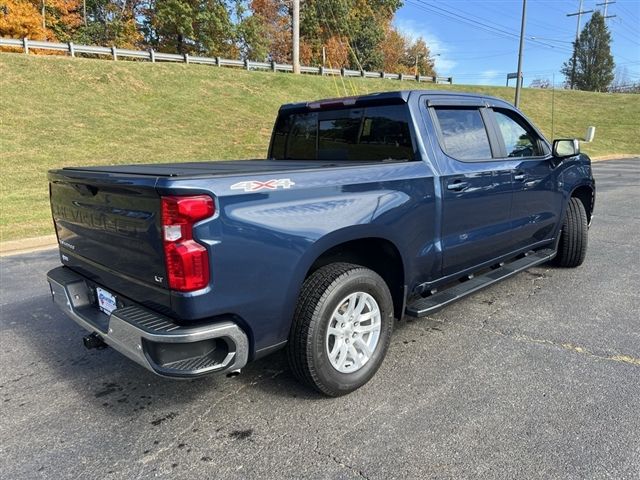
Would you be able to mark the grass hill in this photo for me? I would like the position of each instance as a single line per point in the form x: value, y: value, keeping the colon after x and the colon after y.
x: 58, y: 111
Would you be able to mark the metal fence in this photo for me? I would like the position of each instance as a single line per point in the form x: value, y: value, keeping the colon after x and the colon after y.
x: 120, y: 53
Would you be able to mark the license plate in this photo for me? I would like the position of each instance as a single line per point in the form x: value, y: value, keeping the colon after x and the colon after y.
x: 106, y: 301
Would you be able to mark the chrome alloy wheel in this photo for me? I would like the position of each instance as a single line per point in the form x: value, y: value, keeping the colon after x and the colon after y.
x: 353, y: 332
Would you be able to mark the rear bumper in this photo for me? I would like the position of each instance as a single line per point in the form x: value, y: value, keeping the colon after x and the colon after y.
x: 151, y: 339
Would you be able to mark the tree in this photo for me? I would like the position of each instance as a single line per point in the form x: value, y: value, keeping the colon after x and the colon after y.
x: 591, y: 66
x: 190, y: 26
x: 266, y: 33
x: 110, y: 22
x: 418, y: 58
x: 21, y: 19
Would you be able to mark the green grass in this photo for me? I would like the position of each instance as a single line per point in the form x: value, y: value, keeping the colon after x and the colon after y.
x: 58, y: 111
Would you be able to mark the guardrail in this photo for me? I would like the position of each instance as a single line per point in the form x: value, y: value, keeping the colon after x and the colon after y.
x: 117, y: 53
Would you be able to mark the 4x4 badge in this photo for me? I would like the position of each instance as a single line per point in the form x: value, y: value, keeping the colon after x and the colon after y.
x: 256, y: 185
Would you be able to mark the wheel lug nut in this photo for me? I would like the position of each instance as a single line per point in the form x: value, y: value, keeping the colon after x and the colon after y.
x: 347, y: 340
x: 356, y: 324
x: 354, y: 335
x: 342, y: 326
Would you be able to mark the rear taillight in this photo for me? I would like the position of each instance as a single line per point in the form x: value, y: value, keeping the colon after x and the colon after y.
x: 187, y: 261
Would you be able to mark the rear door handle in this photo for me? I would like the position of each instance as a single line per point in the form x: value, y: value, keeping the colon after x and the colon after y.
x: 457, y: 186
x: 519, y: 177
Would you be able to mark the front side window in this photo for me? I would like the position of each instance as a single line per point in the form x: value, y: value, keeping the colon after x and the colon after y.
x: 463, y: 133
x: 359, y: 134
x: 518, y: 141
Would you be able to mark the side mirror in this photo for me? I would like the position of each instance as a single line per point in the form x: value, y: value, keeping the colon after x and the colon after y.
x: 566, y: 147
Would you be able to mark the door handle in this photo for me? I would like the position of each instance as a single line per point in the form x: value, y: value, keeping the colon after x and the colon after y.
x: 457, y: 186
x: 519, y: 177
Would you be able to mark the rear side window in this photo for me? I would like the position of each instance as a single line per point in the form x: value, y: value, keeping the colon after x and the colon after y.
x: 463, y: 133
x: 360, y: 134
x: 518, y: 140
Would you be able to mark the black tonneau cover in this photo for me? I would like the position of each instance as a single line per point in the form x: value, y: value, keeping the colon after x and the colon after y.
x: 218, y: 168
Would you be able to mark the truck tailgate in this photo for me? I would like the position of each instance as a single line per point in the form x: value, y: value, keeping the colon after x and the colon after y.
x: 110, y: 221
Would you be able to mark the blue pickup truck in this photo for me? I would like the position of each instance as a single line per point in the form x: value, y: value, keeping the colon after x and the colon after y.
x: 367, y: 209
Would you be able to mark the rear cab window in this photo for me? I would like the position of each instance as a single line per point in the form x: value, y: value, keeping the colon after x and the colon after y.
x: 463, y: 133
x: 358, y: 134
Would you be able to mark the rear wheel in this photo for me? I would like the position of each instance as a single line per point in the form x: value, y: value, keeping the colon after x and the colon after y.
x: 572, y: 248
x: 342, y: 328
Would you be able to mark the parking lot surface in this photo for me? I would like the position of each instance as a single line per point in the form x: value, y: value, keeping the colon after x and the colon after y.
x: 536, y: 377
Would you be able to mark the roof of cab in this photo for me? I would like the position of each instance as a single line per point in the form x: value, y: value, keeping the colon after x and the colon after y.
x: 400, y: 96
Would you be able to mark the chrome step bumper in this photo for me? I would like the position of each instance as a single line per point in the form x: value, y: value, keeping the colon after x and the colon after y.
x: 151, y: 339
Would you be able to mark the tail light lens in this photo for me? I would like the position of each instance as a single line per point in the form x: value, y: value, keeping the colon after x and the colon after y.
x: 187, y: 261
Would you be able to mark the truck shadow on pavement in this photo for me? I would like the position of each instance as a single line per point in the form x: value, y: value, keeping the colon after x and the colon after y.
x: 50, y: 346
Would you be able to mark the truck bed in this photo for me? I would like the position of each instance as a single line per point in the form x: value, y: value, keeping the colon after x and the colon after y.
x: 220, y: 168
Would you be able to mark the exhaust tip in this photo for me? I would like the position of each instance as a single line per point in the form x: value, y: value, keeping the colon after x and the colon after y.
x: 233, y: 373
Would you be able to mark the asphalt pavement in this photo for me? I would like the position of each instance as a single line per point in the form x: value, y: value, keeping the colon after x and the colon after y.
x: 536, y: 377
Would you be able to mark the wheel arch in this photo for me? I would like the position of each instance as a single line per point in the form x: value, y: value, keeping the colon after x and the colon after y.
x: 586, y: 194
x: 376, y: 253
x: 355, y: 244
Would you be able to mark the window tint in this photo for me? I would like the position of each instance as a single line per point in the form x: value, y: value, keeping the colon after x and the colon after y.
x: 279, y: 140
x: 374, y: 133
x: 385, y: 134
x: 301, y: 144
x: 464, y: 134
x: 518, y: 141
x: 338, y: 134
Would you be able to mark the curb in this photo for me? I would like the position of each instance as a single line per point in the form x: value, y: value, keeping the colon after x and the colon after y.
x: 28, y: 245
x: 620, y: 156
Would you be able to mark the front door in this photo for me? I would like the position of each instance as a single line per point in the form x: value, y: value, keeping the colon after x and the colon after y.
x: 537, y: 200
x: 477, y: 191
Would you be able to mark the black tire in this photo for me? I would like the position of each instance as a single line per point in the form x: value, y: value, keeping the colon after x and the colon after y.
x: 572, y: 248
x: 321, y: 294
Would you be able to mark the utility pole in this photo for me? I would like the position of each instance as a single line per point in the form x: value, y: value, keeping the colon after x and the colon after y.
x: 418, y: 55
x: 606, y: 3
x: 44, y: 24
x: 520, y: 50
x: 579, y: 14
x: 296, y: 36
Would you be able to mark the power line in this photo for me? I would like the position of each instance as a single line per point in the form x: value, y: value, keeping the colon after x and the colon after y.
x: 579, y: 14
x: 476, y: 22
x: 606, y: 4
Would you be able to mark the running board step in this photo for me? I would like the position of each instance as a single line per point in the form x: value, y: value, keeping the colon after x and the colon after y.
x: 424, y: 306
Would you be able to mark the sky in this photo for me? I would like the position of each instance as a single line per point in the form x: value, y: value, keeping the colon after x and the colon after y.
x: 476, y: 41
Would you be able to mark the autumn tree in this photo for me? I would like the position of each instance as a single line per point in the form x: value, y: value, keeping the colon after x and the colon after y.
x: 270, y: 27
x: 417, y: 58
x: 38, y: 19
x: 21, y: 19
x: 591, y: 66
x: 62, y: 18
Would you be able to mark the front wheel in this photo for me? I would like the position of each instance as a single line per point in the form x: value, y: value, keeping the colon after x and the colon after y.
x: 341, y: 329
x: 572, y: 248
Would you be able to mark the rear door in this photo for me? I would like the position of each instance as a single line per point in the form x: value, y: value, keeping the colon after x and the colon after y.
x: 537, y: 200
x: 477, y: 189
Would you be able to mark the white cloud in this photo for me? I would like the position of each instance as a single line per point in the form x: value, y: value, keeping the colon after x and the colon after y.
x: 487, y: 76
x: 444, y: 63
